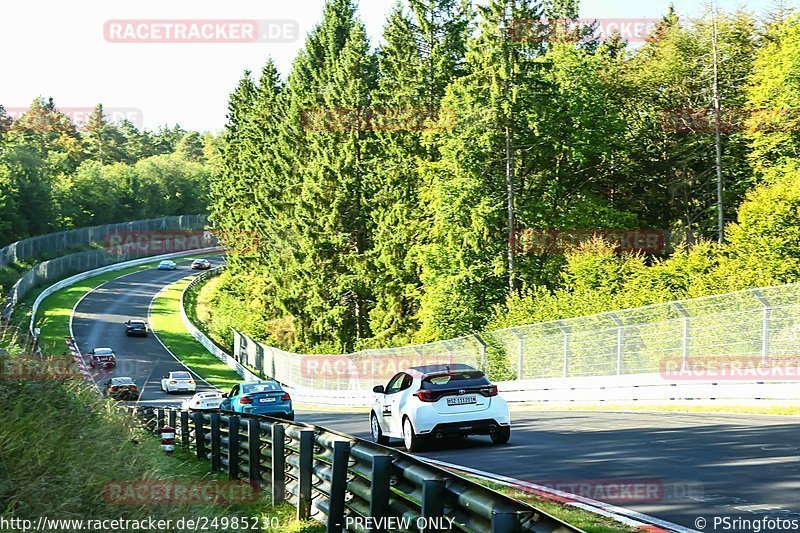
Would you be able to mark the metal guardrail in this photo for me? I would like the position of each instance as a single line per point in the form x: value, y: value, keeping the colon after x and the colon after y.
x: 336, y: 478
x: 201, y: 337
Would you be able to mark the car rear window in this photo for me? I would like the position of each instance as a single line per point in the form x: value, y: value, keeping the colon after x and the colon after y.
x: 136, y: 323
x: 260, y: 387
x: 181, y: 375
x: 472, y: 378
x: 122, y: 381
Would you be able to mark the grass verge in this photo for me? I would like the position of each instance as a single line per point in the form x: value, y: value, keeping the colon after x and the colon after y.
x: 59, y: 463
x: 575, y: 516
x: 165, y: 320
x: 55, y: 310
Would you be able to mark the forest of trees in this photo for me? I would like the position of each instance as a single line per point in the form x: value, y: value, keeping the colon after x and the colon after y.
x: 384, y: 183
x: 55, y: 175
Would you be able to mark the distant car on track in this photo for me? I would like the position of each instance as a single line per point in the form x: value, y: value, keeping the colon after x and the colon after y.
x: 102, y: 358
x: 201, y: 264
x: 203, y: 401
x: 167, y: 264
x: 121, y: 388
x: 438, y: 401
x: 180, y: 381
x: 135, y: 327
x: 265, y: 397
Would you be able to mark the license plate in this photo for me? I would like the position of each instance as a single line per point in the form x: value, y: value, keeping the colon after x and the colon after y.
x: 462, y: 400
x: 266, y: 400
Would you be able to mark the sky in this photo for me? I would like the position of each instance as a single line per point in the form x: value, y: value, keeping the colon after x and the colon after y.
x: 71, y: 51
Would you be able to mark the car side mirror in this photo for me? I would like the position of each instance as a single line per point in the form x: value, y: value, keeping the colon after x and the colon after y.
x: 164, y: 377
x: 224, y: 394
x: 90, y: 352
x: 378, y: 389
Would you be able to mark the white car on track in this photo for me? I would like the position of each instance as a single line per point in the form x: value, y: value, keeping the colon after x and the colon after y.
x: 438, y: 401
x: 180, y: 381
x: 203, y: 401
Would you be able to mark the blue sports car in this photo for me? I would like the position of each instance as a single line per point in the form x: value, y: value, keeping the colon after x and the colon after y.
x: 259, y: 398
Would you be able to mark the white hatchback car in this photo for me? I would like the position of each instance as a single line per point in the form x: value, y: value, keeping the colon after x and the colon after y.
x: 438, y: 401
x: 181, y: 381
x: 203, y: 401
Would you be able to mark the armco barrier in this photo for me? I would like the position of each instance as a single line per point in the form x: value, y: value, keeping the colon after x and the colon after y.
x: 340, y: 480
x: 72, y: 280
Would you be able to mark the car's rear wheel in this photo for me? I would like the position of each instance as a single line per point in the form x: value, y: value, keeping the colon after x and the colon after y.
x: 377, y: 434
x: 502, y: 435
x: 412, y: 441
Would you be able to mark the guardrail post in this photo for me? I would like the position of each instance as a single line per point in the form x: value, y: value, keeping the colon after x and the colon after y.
x: 506, y: 522
x: 216, y: 462
x: 254, y: 449
x: 306, y: 466
x: 160, y: 418
x: 278, y: 464
x: 171, y: 417
x: 199, y: 435
x: 233, y: 447
x: 379, y: 488
x: 341, y: 455
x: 432, y: 501
x: 185, y: 429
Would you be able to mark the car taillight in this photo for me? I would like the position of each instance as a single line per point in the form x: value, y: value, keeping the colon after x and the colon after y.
x: 245, y: 400
x: 286, y: 397
x: 112, y: 389
x: 173, y: 382
x: 133, y: 387
x: 493, y: 390
x: 197, y: 402
x: 191, y: 381
x: 424, y: 395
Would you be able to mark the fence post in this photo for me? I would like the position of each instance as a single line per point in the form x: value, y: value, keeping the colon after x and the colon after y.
x: 185, y: 429
x: 199, y: 435
x: 254, y: 449
x: 619, y: 341
x: 379, y: 488
x: 685, y: 346
x: 483, y: 351
x: 766, y: 311
x: 278, y: 464
x: 341, y: 455
x: 160, y: 418
x: 171, y: 417
x: 520, y: 351
x: 305, y: 466
x: 432, y: 501
x: 233, y: 447
x: 215, y: 442
x: 565, y: 342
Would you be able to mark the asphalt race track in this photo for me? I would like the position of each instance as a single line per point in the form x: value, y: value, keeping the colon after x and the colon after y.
x: 98, y: 322
x: 688, y: 465
x: 692, y: 464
